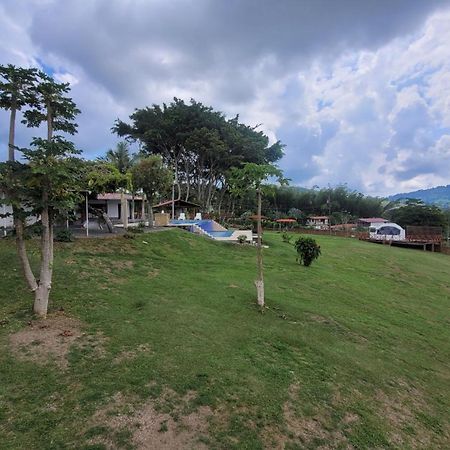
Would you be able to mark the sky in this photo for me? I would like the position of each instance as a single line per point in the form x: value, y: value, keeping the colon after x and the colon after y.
x: 358, y: 91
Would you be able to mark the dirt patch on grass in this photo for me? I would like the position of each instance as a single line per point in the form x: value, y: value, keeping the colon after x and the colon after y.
x: 153, y: 273
x: 127, y: 355
x: 44, y: 340
x: 51, y: 339
x: 156, y: 424
x: 121, y: 264
x: 304, y: 431
x: 400, y: 410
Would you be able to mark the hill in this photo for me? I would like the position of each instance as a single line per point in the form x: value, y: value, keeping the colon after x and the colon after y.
x: 156, y: 343
x: 439, y: 196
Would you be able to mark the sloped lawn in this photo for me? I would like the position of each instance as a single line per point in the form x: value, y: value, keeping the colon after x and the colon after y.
x: 156, y: 343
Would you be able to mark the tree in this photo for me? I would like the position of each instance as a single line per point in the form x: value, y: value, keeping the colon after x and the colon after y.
x: 251, y: 177
x: 200, y: 144
x: 17, y: 90
x: 121, y: 159
x: 416, y: 212
x: 100, y: 177
x: 150, y: 175
x: 45, y: 185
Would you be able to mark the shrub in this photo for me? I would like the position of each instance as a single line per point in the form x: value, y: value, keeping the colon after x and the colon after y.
x: 137, y: 229
x: 308, y: 250
x: 128, y: 235
x: 64, y: 236
x: 286, y: 237
x: 242, y: 239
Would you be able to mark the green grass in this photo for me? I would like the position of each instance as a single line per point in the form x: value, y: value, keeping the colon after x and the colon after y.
x: 353, y: 350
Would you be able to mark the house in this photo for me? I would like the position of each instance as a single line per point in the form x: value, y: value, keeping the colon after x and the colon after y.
x: 318, y: 222
x: 370, y: 222
x: 111, y: 204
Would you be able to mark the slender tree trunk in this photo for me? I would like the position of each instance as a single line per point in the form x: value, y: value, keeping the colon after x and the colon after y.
x: 259, y: 283
x: 12, y: 132
x: 42, y: 292
x: 22, y: 252
x: 149, y: 196
x: 49, y: 122
x: 124, y: 209
x: 19, y: 224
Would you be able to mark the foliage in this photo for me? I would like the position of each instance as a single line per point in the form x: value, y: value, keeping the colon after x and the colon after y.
x: 200, y: 144
x: 307, y: 249
x: 415, y: 212
x: 252, y: 177
x: 150, y: 175
x: 299, y: 203
x: 119, y: 158
x: 102, y: 176
x: 286, y: 237
x: 64, y: 236
x: 242, y: 239
x: 47, y: 184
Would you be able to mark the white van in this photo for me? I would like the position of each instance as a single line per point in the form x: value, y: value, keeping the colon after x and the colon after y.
x: 387, y: 232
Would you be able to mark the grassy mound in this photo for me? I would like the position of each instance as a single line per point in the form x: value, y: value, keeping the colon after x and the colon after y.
x: 157, y: 342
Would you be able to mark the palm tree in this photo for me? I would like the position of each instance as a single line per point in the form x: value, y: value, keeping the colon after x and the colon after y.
x: 120, y: 157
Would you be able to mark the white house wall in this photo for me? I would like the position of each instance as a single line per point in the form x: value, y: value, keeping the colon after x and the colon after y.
x: 112, y: 208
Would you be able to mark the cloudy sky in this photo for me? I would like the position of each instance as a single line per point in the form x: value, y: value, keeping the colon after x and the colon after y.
x: 359, y: 91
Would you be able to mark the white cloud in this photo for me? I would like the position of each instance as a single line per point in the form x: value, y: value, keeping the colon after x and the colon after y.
x: 358, y: 94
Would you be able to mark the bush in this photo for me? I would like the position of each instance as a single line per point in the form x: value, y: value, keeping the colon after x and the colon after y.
x: 64, y: 236
x: 308, y: 250
x: 137, y: 229
x: 128, y: 235
x: 286, y: 238
x: 242, y: 239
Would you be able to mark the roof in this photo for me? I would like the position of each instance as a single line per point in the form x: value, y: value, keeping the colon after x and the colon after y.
x: 178, y: 203
x: 286, y: 220
x: 373, y: 220
x: 318, y: 217
x: 117, y: 196
x: 256, y: 217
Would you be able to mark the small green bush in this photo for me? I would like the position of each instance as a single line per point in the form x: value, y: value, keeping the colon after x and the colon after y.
x: 286, y: 237
x: 307, y: 249
x: 242, y: 239
x: 64, y: 236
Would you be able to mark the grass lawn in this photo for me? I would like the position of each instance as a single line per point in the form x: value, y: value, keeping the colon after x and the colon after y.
x: 160, y: 345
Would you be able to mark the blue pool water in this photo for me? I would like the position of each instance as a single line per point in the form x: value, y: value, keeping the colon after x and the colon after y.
x: 206, y: 225
x: 220, y: 233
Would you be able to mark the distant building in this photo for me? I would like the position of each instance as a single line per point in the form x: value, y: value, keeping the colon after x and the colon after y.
x: 110, y: 203
x: 367, y: 222
x: 318, y: 222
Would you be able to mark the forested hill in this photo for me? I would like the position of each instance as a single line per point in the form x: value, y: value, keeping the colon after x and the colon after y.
x: 439, y: 195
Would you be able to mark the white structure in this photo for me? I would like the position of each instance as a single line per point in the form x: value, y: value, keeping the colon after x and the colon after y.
x: 388, y: 231
x: 111, y: 204
x: 318, y: 222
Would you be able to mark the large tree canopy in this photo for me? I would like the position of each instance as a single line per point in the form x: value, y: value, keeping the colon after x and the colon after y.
x: 199, y: 144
